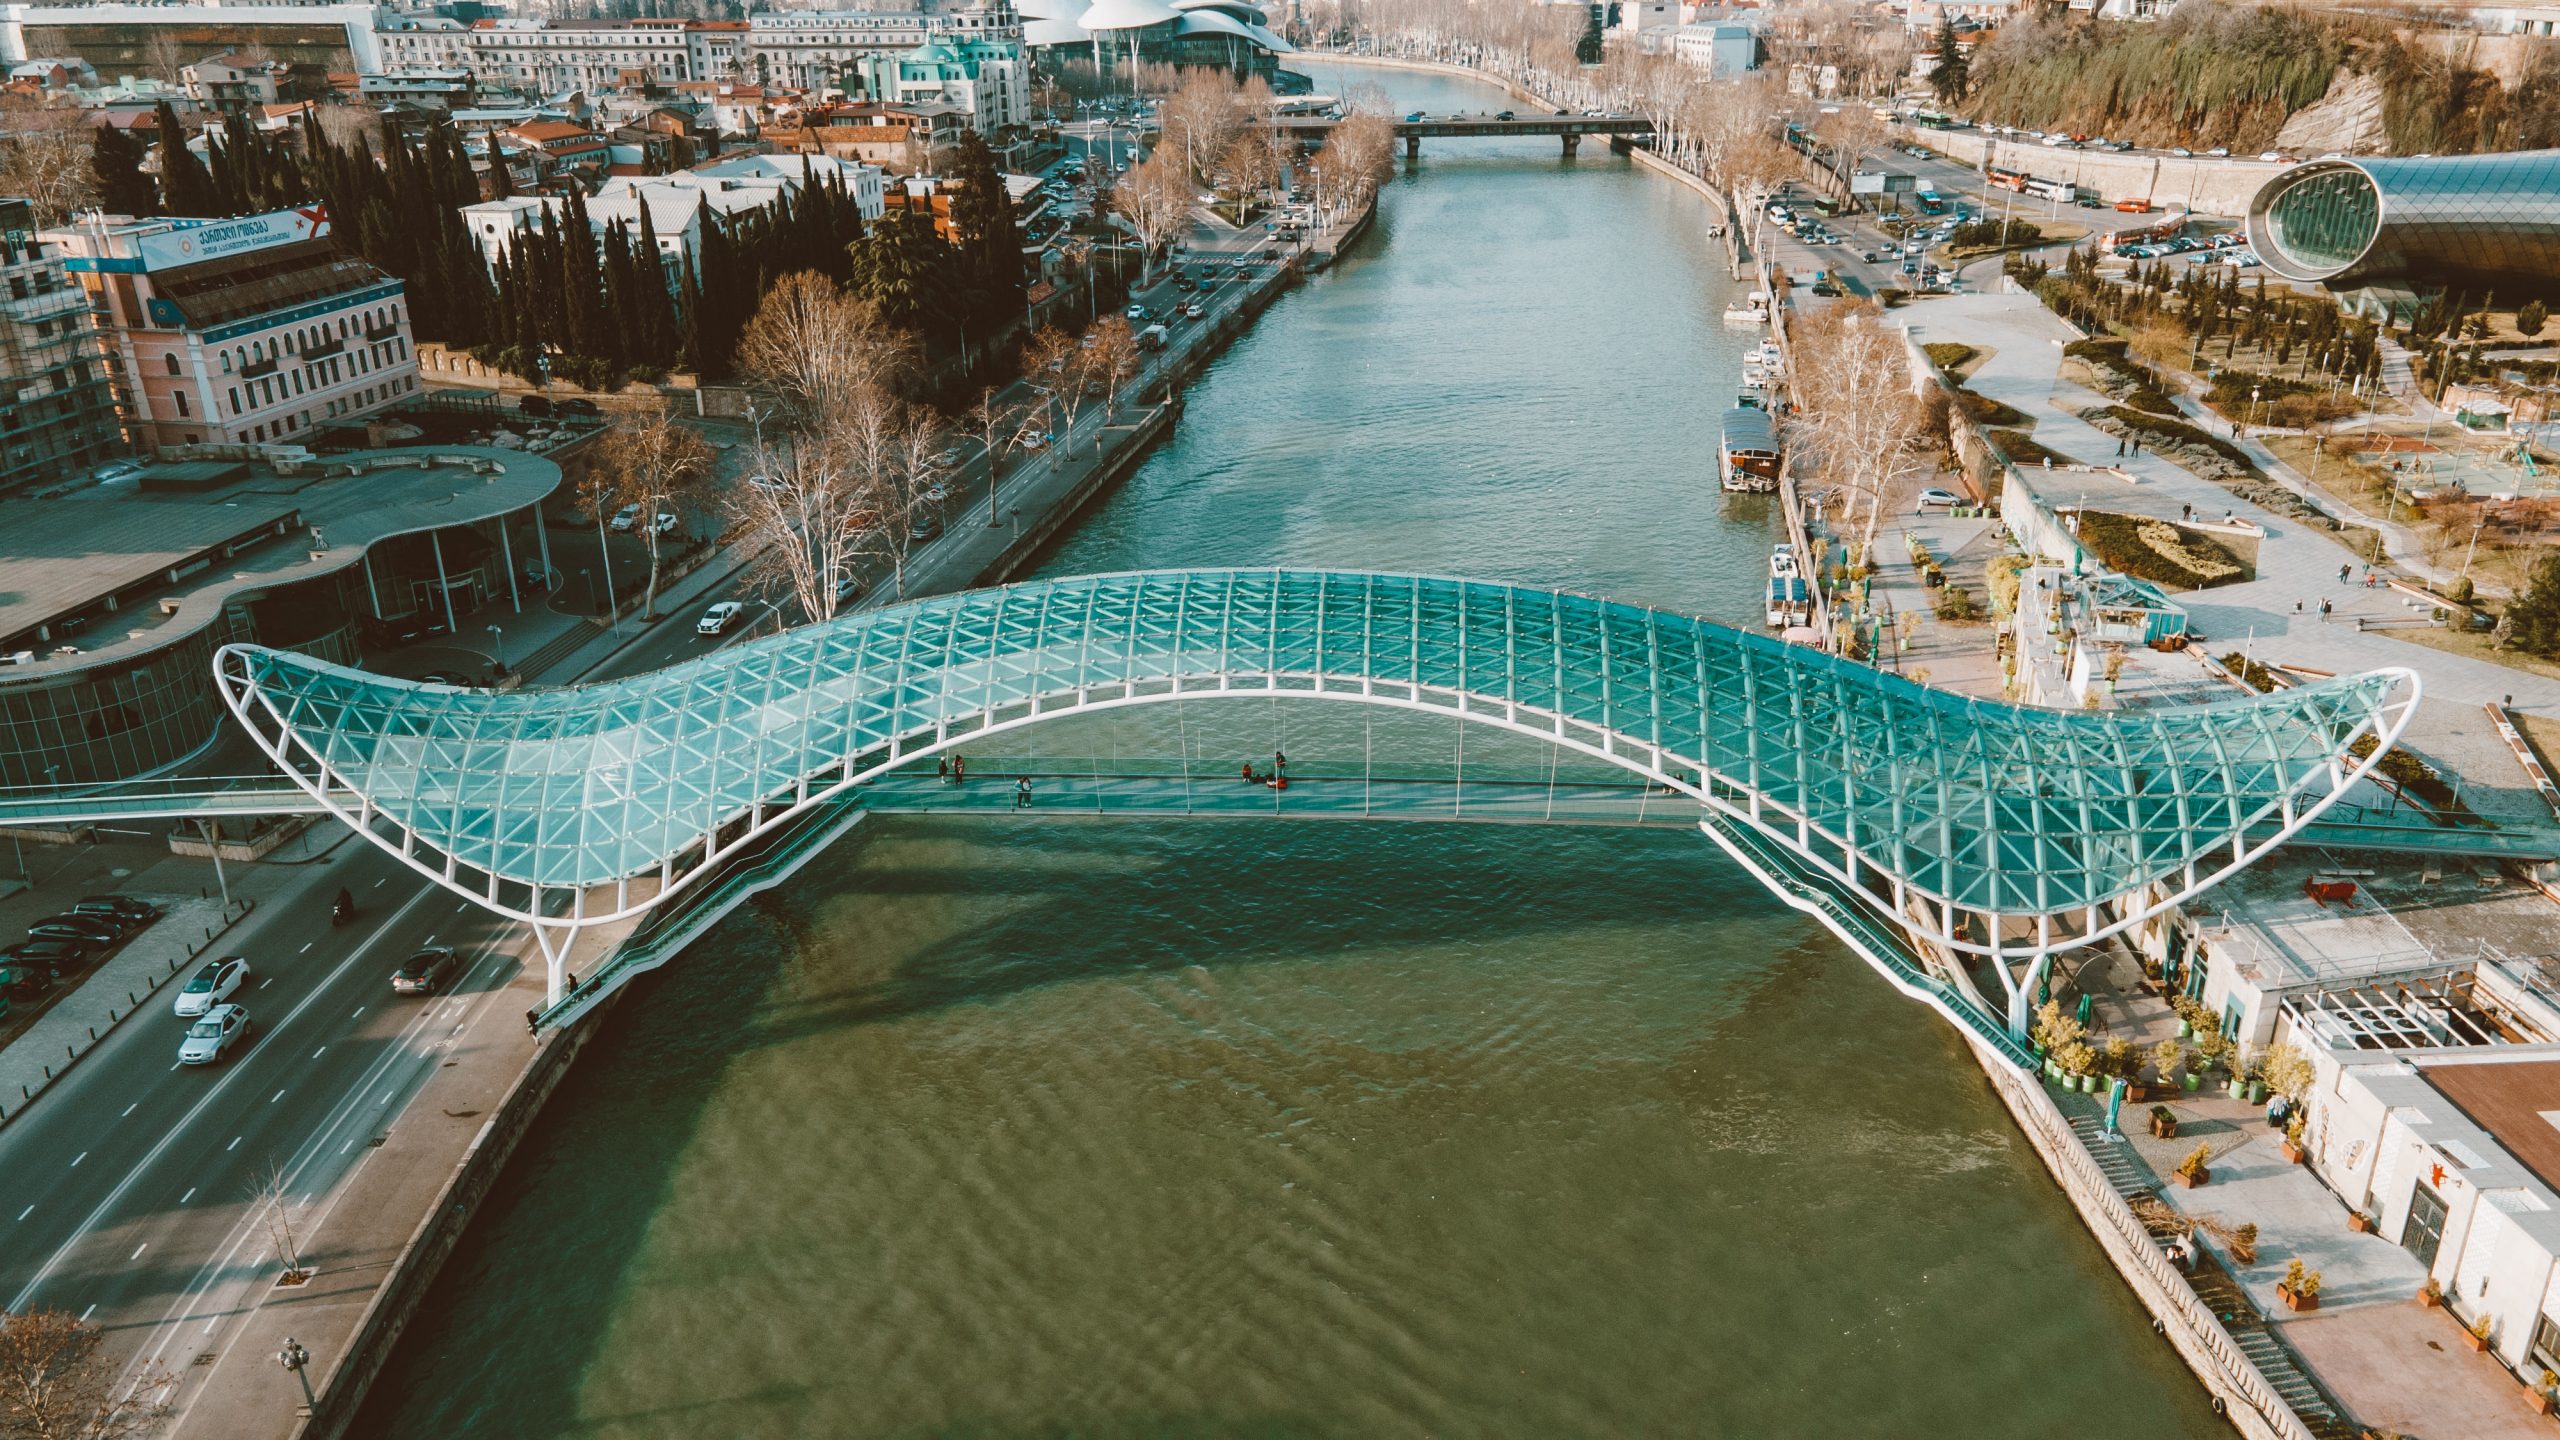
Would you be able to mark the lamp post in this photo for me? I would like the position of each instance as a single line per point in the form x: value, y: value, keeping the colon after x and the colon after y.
x: 2257, y: 412
x: 297, y: 1359
x: 497, y: 650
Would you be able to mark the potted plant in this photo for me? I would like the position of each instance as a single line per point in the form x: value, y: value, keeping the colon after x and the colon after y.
x: 2164, y: 1122
x: 2244, y: 1245
x: 2300, y: 1287
x: 2191, y: 1172
x: 2077, y: 1060
x: 2166, y: 1059
x: 2542, y: 1400
x: 2476, y: 1334
x: 2119, y: 1061
x: 2431, y: 1294
x: 2293, y: 1151
x: 2055, y: 1032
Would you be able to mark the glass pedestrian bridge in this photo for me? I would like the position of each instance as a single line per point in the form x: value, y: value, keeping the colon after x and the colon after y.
x: 1991, y: 831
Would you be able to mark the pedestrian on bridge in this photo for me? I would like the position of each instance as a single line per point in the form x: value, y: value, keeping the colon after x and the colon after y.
x: 942, y: 769
x: 959, y: 769
x: 1022, y: 792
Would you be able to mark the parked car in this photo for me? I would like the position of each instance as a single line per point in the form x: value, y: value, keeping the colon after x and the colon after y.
x: 425, y: 972
x: 1505, y: 115
x: 666, y: 522
x: 848, y: 590
x: 924, y: 527
x: 25, y: 980
x: 626, y: 519
x: 56, y: 956
x: 2182, y: 152
x: 533, y: 405
x: 212, y: 1036
x: 89, y: 930
x: 139, y: 912
x: 212, y: 984
x: 2220, y: 152
x: 1935, y: 497
x: 575, y: 406
x: 440, y: 677
x: 718, y: 617
x: 1136, y: 314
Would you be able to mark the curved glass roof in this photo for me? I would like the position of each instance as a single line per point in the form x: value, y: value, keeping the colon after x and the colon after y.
x: 2351, y: 222
x: 1988, y: 806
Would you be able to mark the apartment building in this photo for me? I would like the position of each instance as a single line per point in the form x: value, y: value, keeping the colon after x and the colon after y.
x: 247, y: 331
x: 57, y: 409
x: 675, y: 204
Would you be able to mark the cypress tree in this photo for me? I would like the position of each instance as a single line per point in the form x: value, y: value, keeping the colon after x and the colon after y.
x: 651, y: 319
x: 185, y: 187
x: 115, y: 163
x: 582, y: 284
x: 990, y: 242
x: 1953, y: 75
x: 906, y: 269
x: 502, y: 186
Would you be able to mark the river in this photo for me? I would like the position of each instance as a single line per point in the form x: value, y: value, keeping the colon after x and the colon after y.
x: 1237, y: 1128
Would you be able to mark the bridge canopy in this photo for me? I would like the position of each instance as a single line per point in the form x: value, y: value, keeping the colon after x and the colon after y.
x: 1975, y: 804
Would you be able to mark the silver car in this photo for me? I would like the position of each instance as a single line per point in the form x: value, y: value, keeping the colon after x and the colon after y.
x: 210, y: 1038
x: 212, y: 985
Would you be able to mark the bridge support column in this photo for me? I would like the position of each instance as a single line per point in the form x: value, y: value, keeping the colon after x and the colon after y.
x: 1572, y: 146
x: 1413, y: 147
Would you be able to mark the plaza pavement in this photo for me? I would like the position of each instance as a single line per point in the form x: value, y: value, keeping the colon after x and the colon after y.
x: 2297, y: 565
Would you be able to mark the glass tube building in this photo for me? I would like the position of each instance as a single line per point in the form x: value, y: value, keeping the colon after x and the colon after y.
x: 2470, y: 222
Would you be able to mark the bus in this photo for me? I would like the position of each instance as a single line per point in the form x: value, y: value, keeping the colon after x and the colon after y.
x: 1930, y: 202
x: 2007, y: 179
x: 2044, y: 189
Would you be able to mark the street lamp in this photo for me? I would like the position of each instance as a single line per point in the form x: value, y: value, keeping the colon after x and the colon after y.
x: 295, y: 1358
x: 497, y: 650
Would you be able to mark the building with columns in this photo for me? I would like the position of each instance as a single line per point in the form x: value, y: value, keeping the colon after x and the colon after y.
x: 248, y: 331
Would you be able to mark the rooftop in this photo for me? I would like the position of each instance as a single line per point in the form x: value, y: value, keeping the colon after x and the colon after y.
x: 174, y: 543
x: 2515, y: 1102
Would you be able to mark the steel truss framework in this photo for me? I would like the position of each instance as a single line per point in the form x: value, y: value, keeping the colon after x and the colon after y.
x: 575, y: 807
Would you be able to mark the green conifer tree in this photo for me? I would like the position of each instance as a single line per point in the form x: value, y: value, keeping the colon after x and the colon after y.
x: 115, y: 164
x: 186, y: 188
x: 990, y: 240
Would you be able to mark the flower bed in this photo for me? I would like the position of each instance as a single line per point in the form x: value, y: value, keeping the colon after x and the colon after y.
x: 2158, y: 551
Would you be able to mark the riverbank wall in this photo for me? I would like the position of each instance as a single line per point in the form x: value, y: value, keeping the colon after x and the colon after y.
x: 340, y: 1391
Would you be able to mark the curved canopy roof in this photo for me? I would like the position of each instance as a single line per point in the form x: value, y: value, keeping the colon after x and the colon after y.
x: 1126, y: 15
x: 1979, y: 804
x: 1220, y: 22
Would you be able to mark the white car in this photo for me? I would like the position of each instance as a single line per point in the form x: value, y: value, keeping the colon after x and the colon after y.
x: 666, y: 522
x: 625, y: 519
x: 717, y: 618
x: 1933, y: 496
x: 212, y: 985
x: 222, y: 1027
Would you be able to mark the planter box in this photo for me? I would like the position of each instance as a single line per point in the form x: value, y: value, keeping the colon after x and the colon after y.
x: 2295, y: 1154
x: 2432, y: 1299
x: 2165, y: 1127
x: 2361, y: 1224
x: 2191, y: 1181
x: 2540, y: 1400
x: 2477, y: 1344
x: 2296, y: 1302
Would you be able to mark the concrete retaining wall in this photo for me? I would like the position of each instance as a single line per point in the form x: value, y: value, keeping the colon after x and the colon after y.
x: 2204, y: 185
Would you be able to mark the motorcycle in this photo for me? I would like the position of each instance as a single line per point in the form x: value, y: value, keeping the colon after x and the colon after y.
x: 343, y: 910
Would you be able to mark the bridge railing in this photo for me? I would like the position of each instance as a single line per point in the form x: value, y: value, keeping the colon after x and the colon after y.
x: 170, y: 797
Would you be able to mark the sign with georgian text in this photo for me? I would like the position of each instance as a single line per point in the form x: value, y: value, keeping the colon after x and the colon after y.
x: 213, y: 239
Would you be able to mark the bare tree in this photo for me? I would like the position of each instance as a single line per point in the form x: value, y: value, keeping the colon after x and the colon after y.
x: 1156, y: 197
x: 655, y: 465
x: 44, y: 155
x: 57, y: 1382
x: 1200, y: 119
x: 820, y: 347
x: 993, y: 418
x: 1249, y: 168
x: 1856, y: 414
x: 1113, y: 357
x: 282, y: 1219
x: 901, y: 471
x: 803, y: 513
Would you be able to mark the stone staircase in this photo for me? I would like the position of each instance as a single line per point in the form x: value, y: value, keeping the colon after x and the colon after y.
x: 2223, y: 1295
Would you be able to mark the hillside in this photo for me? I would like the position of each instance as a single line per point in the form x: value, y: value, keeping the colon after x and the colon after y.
x: 2223, y: 72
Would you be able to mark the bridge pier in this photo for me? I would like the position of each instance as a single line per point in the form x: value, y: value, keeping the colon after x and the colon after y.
x: 1572, y: 146
x: 1413, y: 147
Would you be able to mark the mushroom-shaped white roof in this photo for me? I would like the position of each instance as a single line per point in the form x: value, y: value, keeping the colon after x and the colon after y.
x: 1126, y: 14
x: 1243, y: 10
x: 1040, y: 31
x: 1218, y: 22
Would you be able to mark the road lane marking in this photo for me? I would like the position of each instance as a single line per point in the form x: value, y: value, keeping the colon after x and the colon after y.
x: 343, y: 1149
x: 75, y: 1164
x: 275, y: 1097
x: 23, y: 1214
x: 263, y: 984
x: 359, y: 1013
x: 137, y: 1252
x: 234, y: 1145
x: 378, y: 883
x: 306, y: 948
x: 129, y: 1109
x: 190, y: 1195
x: 84, y: 1315
x: 316, y: 1054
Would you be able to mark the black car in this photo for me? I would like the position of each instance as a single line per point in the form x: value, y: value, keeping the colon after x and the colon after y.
x: 575, y: 406
x: 24, y: 980
x: 533, y: 405
x: 426, y: 972
x: 87, y: 929
x: 125, y: 907
x: 49, y: 954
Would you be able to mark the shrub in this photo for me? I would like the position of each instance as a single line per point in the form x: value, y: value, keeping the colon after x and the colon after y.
x: 2157, y: 551
x: 2532, y: 623
x: 2251, y: 673
x: 2002, y: 578
x: 2022, y: 449
x: 1955, y: 603
x: 2530, y: 318
x: 2159, y: 430
x: 2195, y: 1161
x: 2151, y: 399
x: 1947, y: 354
x: 1982, y: 410
x: 1984, y: 234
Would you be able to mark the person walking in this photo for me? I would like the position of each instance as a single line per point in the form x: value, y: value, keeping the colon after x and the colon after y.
x: 2186, y: 512
x: 2297, y: 607
x: 960, y: 768
x: 942, y: 769
x: 2343, y: 572
x: 1279, y: 766
x: 2119, y: 447
x: 2324, y: 612
x: 1022, y: 792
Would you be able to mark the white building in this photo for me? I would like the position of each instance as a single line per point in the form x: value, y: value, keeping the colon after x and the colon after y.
x: 286, y: 32
x: 674, y: 203
x: 1720, y: 49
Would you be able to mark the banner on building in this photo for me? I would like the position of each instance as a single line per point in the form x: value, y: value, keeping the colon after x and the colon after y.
x: 213, y: 239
